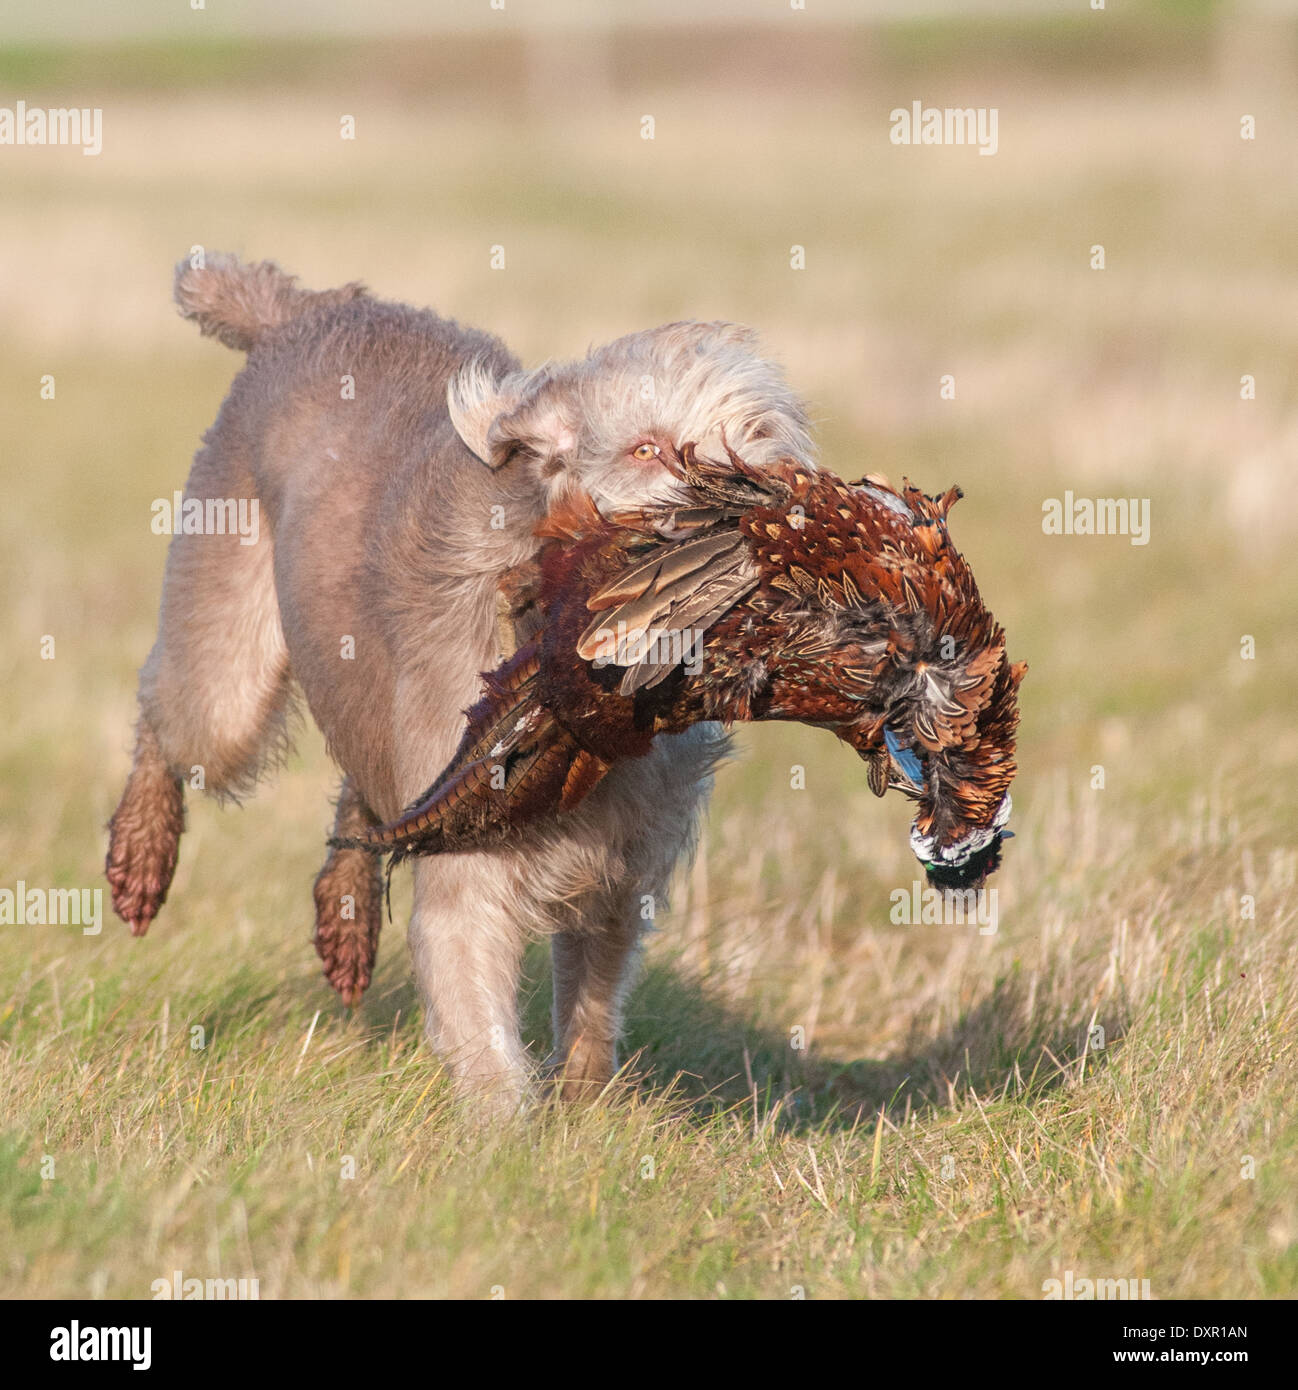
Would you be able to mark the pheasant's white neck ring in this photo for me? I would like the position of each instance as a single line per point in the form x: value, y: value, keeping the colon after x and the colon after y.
x: 927, y: 850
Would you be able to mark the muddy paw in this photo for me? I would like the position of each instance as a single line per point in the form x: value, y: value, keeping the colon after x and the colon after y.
x: 143, y: 846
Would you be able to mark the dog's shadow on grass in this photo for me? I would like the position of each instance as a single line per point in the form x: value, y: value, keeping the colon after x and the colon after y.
x: 685, y: 1041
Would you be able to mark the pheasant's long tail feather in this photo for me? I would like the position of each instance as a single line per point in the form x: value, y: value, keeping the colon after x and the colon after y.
x: 514, y: 763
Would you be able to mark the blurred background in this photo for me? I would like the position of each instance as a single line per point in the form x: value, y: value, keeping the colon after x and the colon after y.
x: 521, y: 128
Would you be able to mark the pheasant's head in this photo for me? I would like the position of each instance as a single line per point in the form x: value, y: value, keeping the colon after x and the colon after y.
x: 945, y: 695
x: 957, y: 766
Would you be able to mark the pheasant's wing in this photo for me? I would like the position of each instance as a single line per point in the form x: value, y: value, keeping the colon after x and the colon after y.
x: 661, y: 604
x: 514, y: 763
x: 650, y: 616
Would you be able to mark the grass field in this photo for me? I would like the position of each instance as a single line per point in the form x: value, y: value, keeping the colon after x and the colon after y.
x: 1104, y: 1085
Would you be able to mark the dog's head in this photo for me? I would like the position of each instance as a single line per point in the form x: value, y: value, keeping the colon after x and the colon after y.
x: 605, y: 425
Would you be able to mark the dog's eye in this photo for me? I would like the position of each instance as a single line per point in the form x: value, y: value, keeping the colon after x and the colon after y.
x: 645, y: 452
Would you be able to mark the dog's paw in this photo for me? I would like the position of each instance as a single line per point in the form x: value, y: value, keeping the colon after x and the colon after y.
x: 143, y: 847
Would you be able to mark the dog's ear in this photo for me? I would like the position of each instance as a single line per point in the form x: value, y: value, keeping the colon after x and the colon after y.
x: 476, y: 397
x: 501, y: 419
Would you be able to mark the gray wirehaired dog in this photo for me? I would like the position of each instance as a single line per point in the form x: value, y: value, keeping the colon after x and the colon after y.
x: 399, y: 464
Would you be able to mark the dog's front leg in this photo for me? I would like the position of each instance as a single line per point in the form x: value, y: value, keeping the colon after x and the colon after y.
x: 466, y: 938
x: 644, y: 822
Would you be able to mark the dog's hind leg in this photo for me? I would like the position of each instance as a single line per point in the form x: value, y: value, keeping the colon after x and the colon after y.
x: 213, y: 693
x: 349, y: 903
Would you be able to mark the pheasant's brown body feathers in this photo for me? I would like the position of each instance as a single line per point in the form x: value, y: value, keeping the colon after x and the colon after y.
x: 783, y: 593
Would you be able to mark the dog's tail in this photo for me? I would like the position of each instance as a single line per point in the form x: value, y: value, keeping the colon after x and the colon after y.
x: 239, y: 304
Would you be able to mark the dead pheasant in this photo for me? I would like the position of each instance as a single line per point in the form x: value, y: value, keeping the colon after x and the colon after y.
x: 779, y: 593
